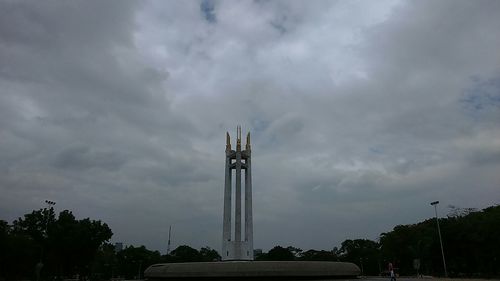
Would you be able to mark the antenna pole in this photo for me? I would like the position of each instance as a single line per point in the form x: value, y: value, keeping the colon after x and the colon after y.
x: 168, y: 245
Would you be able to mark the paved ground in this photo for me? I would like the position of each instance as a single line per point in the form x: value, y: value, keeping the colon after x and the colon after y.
x: 376, y: 278
x: 426, y: 278
x: 363, y: 278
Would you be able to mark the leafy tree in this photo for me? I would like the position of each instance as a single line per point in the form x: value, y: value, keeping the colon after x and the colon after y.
x: 471, y: 242
x: 279, y: 253
x: 105, y: 264
x: 185, y: 253
x: 64, y: 244
x: 4, y: 235
x: 67, y: 246
x: 363, y: 252
x: 132, y: 261
x: 18, y: 256
x: 208, y: 254
x: 459, y: 212
x: 36, y: 225
x: 295, y: 251
x: 314, y: 255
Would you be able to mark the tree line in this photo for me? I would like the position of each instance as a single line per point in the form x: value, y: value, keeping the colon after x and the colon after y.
x: 471, y: 242
x: 42, y: 246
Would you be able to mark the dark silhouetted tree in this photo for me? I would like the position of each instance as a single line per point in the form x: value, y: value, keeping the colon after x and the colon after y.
x: 279, y: 253
x: 208, y: 254
x: 471, y: 241
x: 64, y: 244
x: 133, y: 260
x: 363, y: 252
x: 105, y: 264
x: 185, y: 253
x: 314, y: 255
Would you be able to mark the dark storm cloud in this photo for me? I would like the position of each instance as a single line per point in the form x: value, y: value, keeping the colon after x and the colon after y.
x: 82, y: 112
x: 207, y: 8
x: 482, y: 99
x: 81, y: 157
x: 360, y: 113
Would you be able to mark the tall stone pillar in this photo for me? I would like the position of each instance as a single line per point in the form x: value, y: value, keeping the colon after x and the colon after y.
x: 237, y: 249
x: 248, y: 200
x: 226, y: 228
x: 237, y: 213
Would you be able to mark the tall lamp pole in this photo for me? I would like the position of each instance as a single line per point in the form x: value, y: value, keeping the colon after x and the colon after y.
x: 39, y: 265
x: 50, y: 204
x: 440, y: 240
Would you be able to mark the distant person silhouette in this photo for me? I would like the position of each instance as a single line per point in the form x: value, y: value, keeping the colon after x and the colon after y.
x: 38, y: 268
x: 391, y: 272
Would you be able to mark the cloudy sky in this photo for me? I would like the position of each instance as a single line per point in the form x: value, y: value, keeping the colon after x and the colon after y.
x: 361, y: 113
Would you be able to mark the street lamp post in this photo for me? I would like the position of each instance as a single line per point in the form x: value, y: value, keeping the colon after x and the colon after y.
x: 39, y: 265
x: 140, y: 267
x: 50, y: 204
x: 440, y: 240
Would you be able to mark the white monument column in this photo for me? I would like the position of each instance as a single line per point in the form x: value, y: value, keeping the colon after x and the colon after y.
x: 226, y: 228
x: 237, y: 214
x: 248, y: 201
x: 237, y: 249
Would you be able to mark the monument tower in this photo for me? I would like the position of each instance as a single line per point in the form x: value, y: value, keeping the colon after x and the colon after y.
x: 239, y: 251
x: 233, y: 247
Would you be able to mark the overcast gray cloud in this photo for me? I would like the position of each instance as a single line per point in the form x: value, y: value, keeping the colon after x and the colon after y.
x: 361, y: 113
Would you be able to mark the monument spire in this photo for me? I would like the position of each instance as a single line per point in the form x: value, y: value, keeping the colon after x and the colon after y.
x: 238, y: 138
x: 248, y: 142
x: 228, y: 142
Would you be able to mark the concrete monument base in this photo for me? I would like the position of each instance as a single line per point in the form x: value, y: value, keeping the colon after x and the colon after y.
x: 256, y: 270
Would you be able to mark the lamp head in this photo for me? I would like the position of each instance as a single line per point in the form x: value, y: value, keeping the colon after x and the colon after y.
x: 434, y: 203
x: 50, y: 202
